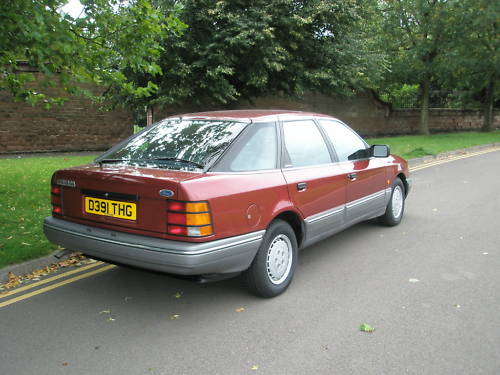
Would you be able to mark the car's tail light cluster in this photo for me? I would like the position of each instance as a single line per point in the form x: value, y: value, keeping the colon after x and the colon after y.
x: 55, y: 198
x: 189, y: 219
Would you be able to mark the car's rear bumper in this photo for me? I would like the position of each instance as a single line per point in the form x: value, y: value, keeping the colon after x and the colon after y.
x: 227, y: 255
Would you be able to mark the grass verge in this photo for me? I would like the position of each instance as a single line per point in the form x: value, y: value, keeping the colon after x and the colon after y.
x: 25, y: 201
x: 415, y: 146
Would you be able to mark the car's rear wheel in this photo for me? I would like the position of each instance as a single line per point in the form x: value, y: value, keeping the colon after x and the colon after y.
x: 396, y: 206
x: 273, y: 267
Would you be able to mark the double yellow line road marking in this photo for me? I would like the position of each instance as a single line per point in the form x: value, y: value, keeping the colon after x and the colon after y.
x: 452, y: 158
x: 53, y: 286
x: 88, y: 270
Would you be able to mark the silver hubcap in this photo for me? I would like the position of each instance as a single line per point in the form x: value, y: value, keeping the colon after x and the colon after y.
x: 279, y: 259
x: 397, y: 202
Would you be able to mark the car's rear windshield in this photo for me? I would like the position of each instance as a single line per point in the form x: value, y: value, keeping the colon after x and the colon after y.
x: 187, y: 144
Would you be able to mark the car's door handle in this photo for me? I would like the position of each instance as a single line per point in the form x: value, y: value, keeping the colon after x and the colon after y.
x: 352, y: 176
x: 301, y: 186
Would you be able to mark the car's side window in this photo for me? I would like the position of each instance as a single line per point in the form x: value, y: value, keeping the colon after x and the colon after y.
x: 347, y: 144
x: 258, y: 151
x: 304, y: 144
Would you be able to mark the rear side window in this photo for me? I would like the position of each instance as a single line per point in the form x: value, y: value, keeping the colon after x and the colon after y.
x: 304, y: 144
x: 348, y: 145
x: 255, y: 150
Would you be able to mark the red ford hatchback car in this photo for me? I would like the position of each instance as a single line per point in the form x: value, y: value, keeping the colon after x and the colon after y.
x: 218, y: 193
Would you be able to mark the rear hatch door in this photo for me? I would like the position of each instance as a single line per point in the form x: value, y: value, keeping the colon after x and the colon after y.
x: 120, y: 196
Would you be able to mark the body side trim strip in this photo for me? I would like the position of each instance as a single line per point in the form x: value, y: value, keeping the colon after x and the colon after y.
x: 324, y: 214
x: 366, y: 199
x: 336, y: 210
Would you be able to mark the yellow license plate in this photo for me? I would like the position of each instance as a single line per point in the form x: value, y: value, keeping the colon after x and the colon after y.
x: 105, y: 207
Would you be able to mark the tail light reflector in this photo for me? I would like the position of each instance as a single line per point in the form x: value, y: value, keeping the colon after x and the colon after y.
x: 189, y: 219
x: 55, y: 199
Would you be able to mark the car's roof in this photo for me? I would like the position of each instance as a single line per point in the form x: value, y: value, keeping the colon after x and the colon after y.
x: 252, y: 114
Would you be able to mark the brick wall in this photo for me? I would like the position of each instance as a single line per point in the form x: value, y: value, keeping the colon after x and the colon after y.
x: 364, y: 113
x: 78, y: 125
x: 440, y: 120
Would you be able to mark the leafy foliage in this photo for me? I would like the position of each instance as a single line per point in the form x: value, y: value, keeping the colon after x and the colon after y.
x: 109, y: 38
x: 443, y: 46
x: 413, y: 34
x: 243, y: 49
x: 473, y: 57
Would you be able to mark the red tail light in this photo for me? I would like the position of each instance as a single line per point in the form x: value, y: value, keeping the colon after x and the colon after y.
x: 55, y: 198
x: 190, y: 219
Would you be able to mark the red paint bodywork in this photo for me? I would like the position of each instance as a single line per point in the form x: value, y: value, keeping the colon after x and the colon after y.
x: 240, y: 202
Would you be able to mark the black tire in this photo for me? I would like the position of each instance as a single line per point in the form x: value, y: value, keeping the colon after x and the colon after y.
x: 396, y: 206
x: 270, y: 277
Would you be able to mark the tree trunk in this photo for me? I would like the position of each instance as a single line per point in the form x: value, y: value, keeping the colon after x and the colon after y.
x: 423, y: 126
x: 149, y: 116
x: 488, y: 106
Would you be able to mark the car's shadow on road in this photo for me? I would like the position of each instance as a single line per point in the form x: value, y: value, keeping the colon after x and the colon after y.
x: 133, y: 292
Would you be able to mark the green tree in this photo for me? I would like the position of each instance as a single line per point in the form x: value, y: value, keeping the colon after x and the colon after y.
x: 111, y: 37
x: 413, y: 34
x: 242, y: 49
x: 473, y: 53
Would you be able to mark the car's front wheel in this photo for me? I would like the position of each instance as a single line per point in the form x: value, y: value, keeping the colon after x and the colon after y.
x: 396, y: 206
x: 272, y: 269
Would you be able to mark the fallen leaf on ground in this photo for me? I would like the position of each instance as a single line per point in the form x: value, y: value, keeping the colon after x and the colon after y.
x: 65, y: 363
x: 240, y: 309
x: 111, y: 319
x: 254, y: 367
x: 175, y: 316
x: 366, y: 328
x: 73, y: 260
x: 13, y: 281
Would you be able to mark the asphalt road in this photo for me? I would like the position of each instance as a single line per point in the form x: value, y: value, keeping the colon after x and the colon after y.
x: 430, y: 287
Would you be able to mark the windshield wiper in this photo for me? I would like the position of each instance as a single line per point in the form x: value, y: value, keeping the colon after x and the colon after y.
x: 198, y: 165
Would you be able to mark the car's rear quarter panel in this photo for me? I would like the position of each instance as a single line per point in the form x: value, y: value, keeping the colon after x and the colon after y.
x: 239, y: 202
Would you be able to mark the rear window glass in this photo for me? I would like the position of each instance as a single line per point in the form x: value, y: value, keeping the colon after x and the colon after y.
x: 176, y: 144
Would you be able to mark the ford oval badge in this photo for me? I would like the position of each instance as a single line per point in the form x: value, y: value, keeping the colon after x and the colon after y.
x: 166, y: 193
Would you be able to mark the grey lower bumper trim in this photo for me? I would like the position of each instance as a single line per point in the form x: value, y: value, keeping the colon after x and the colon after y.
x: 227, y: 255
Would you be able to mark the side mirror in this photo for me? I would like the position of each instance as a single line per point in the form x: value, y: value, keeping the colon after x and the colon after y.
x: 380, y: 151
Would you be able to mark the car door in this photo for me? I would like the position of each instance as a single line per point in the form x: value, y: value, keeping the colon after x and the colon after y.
x: 365, y: 175
x: 315, y: 184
